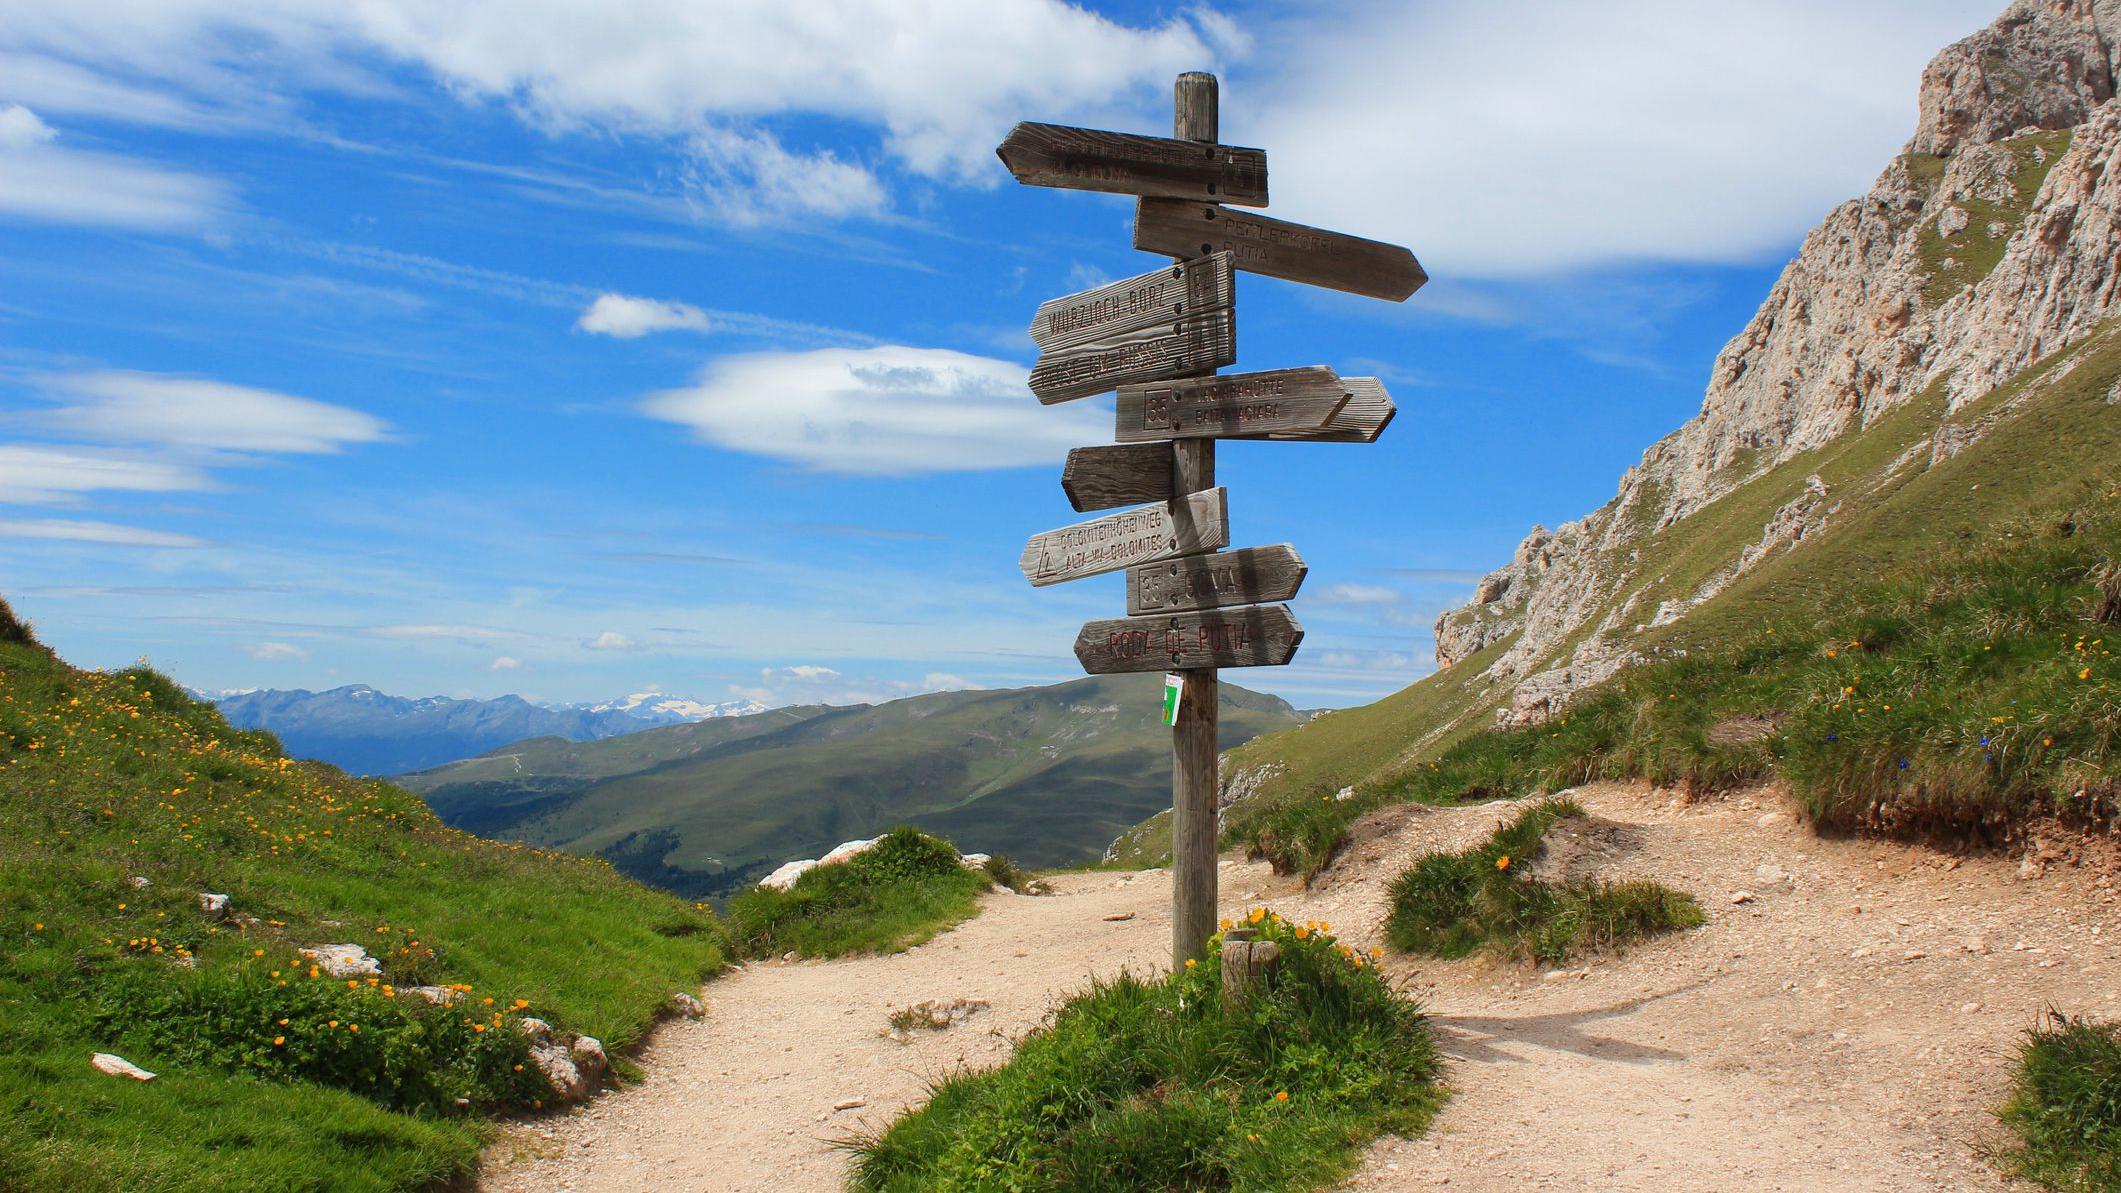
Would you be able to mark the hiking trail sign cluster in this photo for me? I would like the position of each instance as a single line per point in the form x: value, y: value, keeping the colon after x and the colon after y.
x: 1156, y: 342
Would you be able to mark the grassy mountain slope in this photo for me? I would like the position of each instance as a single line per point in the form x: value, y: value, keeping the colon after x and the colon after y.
x: 1904, y: 520
x: 1046, y: 774
x: 272, y: 1078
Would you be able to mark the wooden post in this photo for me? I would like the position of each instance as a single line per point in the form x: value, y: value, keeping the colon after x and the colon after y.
x: 1194, y: 774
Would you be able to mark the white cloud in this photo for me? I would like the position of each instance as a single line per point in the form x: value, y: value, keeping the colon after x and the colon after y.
x: 505, y: 663
x: 39, y: 473
x: 276, y: 652
x: 748, y: 179
x: 1360, y: 594
x: 42, y: 179
x: 625, y: 317
x: 460, y: 633
x: 939, y: 80
x: 64, y: 530
x: 197, y: 413
x: 878, y: 411
x: 1553, y: 136
x: 809, y: 683
x: 611, y: 640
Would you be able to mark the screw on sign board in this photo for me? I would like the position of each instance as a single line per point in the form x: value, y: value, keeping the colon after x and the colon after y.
x: 1158, y: 339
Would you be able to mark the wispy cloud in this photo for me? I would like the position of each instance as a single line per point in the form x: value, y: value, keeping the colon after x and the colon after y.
x: 108, y: 533
x: 43, y: 179
x: 892, y: 411
x: 191, y: 412
x: 36, y: 474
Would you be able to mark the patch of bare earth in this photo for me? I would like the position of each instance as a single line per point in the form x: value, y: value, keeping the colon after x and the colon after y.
x: 1846, y: 1026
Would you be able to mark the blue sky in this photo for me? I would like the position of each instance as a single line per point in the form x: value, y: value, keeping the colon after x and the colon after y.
x: 578, y: 349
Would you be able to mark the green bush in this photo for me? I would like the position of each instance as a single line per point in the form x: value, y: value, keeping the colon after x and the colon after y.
x: 1452, y: 904
x: 900, y: 892
x: 1153, y: 1085
x: 272, y: 1019
x: 2066, y: 1107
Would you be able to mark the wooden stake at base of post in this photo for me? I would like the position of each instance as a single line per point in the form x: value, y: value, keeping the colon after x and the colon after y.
x: 1195, y: 778
x: 1246, y: 964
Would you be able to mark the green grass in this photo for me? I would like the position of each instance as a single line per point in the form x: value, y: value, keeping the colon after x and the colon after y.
x: 1928, y: 565
x: 898, y: 894
x: 2066, y: 1107
x: 1484, y: 898
x: 109, y: 777
x: 1972, y: 250
x: 1960, y: 695
x: 1152, y: 1085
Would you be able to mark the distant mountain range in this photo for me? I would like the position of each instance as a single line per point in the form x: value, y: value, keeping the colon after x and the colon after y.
x: 1048, y: 775
x: 367, y: 732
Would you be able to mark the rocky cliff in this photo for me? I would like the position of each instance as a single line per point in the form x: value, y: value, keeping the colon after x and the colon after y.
x: 1991, y: 242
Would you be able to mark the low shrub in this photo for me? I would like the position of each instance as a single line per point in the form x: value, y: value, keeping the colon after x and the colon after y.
x: 900, y: 892
x: 2066, y: 1107
x: 271, y: 1018
x: 1452, y: 904
x: 1140, y: 1084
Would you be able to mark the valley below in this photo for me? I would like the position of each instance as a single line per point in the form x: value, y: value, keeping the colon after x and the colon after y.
x: 1848, y: 1023
x: 1046, y: 775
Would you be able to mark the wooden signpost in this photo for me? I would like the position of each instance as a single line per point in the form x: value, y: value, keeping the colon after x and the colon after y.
x: 1158, y: 339
x: 1187, y: 526
x: 1286, y: 401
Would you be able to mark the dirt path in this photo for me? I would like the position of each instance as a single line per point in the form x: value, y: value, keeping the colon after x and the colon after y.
x: 1846, y: 1027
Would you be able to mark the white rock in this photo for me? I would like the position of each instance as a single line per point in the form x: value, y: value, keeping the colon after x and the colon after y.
x: 536, y: 1029
x: 783, y: 878
x: 440, y: 996
x: 588, y: 1054
x: 213, y: 904
x: 559, y: 1069
x: 1345, y: 793
x: 973, y: 861
x: 848, y: 851
x: 344, y: 960
x: 138, y: 883
x: 1741, y: 897
x: 686, y: 1005
x: 118, y: 1066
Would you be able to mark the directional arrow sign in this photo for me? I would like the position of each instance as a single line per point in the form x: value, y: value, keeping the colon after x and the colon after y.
x: 1199, y: 522
x: 1153, y: 299
x: 1255, y: 636
x: 1249, y: 577
x: 1368, y: 412
x: 1100, y: 478
x: 1236, y: 404
x: 1278, y: 248
x: 1190, y: 344
x: 1085, y: 159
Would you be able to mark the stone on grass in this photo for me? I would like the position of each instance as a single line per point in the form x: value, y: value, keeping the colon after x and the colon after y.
x: 118, y: 1066
x: 213, y: 904
x: 783, y: 878
x: 344, y: 960
x: 686, y: 1005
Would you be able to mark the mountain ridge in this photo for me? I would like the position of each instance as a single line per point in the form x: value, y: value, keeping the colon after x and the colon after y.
x: 366, y: 731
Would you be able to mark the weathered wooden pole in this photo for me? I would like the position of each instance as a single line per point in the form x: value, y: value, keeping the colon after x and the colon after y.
x: 1194, y: 774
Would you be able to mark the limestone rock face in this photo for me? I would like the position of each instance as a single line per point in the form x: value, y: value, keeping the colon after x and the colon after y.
x: 2041, y: 65
x: 1889, y: 298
